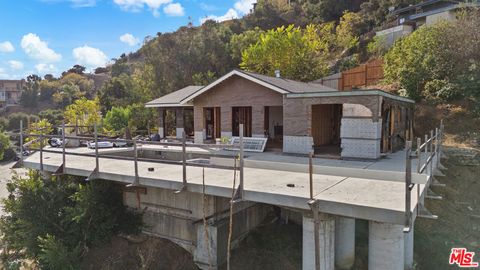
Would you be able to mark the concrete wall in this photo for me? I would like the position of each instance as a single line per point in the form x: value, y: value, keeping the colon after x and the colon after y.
x: 448, y: 15
x: 390, y: 35
x: 360, y: 136
x: 179, y: 218
x: 236, y: 92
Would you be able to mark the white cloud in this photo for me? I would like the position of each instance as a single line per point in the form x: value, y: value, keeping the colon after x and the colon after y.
x: 129, y: 39
x: 14, y: 64
x: 84, y: 3
x: 244, y: 6
x: 240, y: 8
x: 37, y: 49
x: 231, y: 14
x: 138, y: 5
x: 90, y: 57
x: 6, y: 47
x: 46, y: 68
x: 75, y: 3
x: 174, y: 9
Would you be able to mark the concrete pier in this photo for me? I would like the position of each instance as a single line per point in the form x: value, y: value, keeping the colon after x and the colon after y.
x: 385, y: 246
x: 408, y: 249
x: 344, y: 243
x: 326, y: 240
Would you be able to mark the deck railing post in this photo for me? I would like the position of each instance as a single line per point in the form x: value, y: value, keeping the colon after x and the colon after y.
x: 41, y: 147
x: 437, y: 134
x: 97, y: 162
x: 408, y: 185
x: 419, y: 154
x: 64, y: 159
x: 184, y: 158
x: 21, y: 142
x: 432, y: 154
x: 135, y: 161
x: 241, y: 160
x: 310, y: 172
x: 426, y: 153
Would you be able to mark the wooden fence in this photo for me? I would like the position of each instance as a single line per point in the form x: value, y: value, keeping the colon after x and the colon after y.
x: 366, y: 74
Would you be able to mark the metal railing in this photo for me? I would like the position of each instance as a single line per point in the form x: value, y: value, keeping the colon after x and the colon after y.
x: 40, y: 136
x: 428, y: 156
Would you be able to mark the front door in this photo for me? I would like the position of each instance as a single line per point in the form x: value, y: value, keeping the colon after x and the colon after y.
x: 242, y: 115
x: 212, y: 123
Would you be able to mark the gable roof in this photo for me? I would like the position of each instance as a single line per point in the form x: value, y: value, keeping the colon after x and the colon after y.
x: 280, y: 85
x: 174, y: 98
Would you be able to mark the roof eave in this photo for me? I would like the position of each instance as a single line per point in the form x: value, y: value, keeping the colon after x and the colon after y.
x: 370, y: 92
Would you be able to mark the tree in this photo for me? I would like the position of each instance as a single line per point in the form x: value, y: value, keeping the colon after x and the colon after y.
x: 117, y: 92
x: 417, y: 59
x: 203, y: 78
x: 301, y: 54
x: 286, y: 49
x: 68, y: 92
x: 29, y: 96
x: 40, y: 127
x: 117, y: 120
x: 83, y: 112
x: 77, y: 69
x: 4, y: 144
x: 54, y: 221
x: 438, y: 62
x: 239, y: 42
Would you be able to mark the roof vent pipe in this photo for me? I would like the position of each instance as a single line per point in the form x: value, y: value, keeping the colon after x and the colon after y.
x: 277, y: 73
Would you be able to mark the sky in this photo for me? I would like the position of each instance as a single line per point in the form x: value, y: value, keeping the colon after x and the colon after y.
x: 50, y: 36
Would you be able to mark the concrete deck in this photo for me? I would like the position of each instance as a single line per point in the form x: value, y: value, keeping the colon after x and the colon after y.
x: 372, y: 199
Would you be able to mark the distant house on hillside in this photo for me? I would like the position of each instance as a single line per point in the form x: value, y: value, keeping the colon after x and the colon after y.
x: 425, y: 13
x: 10, y: 92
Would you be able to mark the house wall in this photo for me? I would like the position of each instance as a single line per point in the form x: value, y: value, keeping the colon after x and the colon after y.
x: 235, y: 92
x: 297, y: 115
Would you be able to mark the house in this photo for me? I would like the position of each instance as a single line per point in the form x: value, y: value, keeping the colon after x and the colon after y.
x: 295, y: 117
x: 10, y: 92
x: 425, y: 13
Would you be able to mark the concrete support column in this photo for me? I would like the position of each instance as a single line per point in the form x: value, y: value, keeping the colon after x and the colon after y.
x: 179, y: 122
x: 344, y: 242
x: 161, y: 122
x: 408, y: 249
x: 205, y: 255
x: 326, y: 240
x: 385, y: 246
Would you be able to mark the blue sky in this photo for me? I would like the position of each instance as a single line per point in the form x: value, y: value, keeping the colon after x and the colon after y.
x: 50, y: 36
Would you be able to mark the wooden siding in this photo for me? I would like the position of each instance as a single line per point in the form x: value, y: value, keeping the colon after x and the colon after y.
x: 326, y: 124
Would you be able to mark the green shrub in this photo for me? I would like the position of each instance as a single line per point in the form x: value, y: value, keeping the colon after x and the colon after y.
x: 57, y: 256
x: 14, y: 120
x: 3, y: 123
x: 54, y: 117
x: 4, y: 144
x: 56, y: 220
x: 441, y: 90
